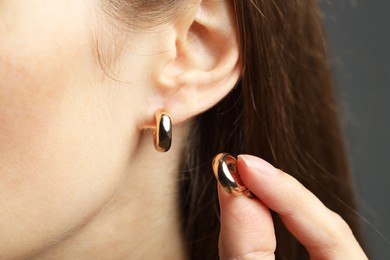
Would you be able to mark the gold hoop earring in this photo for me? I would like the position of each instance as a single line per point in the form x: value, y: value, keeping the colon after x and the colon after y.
x: 225, y: 170
x: 162, y: 133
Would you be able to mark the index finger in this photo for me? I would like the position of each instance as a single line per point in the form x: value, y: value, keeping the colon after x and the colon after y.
x: 320, y: 230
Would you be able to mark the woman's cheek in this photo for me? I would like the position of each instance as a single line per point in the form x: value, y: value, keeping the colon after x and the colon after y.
x: 52, y: 176
x: 36, y: 175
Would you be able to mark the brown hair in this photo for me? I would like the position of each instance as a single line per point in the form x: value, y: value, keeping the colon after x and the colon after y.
x: 283, y: 110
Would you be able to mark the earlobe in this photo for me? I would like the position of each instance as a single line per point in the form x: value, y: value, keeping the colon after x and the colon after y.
x: 207, y: 61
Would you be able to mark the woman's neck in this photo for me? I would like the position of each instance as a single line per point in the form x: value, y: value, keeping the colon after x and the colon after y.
x: 141, y: 221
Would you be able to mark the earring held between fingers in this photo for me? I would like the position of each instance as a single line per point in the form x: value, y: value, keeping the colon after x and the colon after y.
x: 225, y: 171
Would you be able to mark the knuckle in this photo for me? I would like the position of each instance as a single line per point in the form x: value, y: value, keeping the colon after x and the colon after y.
x: 243, y: 213
x: 255, y: 255
x: 340, y: 225
x: 337, y: 234
x: 324, y: 249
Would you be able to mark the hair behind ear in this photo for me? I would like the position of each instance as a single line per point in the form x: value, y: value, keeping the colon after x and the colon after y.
x: 282, y: 111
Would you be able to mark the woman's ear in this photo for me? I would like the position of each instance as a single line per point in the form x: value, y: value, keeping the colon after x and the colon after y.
x: 205, y: 64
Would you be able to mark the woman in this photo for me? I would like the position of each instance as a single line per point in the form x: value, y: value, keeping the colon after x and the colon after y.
x: 80, y: 83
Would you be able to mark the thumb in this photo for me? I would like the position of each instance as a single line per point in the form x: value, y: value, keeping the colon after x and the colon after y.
x: 247, y: 230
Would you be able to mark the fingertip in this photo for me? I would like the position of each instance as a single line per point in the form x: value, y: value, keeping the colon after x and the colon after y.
x: 257, y: 163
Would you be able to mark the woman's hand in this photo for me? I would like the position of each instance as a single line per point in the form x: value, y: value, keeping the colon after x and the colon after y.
x: 247, y: 230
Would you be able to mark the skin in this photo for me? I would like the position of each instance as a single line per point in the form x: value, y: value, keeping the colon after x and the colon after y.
x: 68, y: 138
x: 247, y: 230
x: 79, y: 176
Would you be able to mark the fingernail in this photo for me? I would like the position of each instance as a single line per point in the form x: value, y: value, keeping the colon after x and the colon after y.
x: 257, y: 163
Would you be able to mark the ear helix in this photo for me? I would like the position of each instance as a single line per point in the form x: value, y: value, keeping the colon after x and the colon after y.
x: 162, y: 133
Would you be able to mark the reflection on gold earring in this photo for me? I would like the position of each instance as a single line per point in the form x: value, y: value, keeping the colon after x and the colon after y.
x: 225, y: 170
x: 162, y: 134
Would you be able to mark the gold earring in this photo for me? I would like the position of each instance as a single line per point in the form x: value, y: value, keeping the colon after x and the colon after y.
x: 225, y: 170
x: 162, y: 133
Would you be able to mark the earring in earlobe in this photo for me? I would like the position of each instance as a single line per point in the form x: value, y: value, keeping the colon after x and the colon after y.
x: 162, y: 133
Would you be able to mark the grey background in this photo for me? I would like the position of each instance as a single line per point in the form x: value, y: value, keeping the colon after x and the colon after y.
x: 359, y: 38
